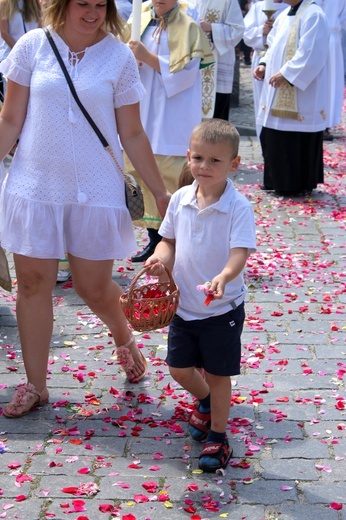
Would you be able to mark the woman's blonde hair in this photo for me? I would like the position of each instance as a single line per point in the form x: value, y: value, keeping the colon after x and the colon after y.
x: 185, y: 177
x: 31, y: 10
x: 55, y: 15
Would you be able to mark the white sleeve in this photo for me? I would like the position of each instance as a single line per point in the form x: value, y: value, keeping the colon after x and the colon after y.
x: 253, y: 34
x: 177, y: 82
x: 311, y: 54
x: 228, y: 33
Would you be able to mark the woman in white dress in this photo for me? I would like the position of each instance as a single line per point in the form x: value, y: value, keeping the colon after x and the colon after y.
x: 63, y: 191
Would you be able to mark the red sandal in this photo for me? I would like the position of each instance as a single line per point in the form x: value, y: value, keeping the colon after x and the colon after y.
x: 199, y: 425
x: 214, y: 456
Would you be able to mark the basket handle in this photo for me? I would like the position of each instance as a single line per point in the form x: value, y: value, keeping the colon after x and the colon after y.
x: 144, y: 270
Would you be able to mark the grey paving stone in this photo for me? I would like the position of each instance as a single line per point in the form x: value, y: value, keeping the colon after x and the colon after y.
x: 289, y: 469
x: 21, y: 510
x: 300, y: 450
x: 306, y: 512
x: 266, y: 492
x: 323, y: 492
x: 324, y: 430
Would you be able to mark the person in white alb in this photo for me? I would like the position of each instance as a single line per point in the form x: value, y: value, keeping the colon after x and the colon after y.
x: 257, y: 28
x: 223, y: 23
x: 335, y: 11
x: 171, y: 50
x: 293, y: 106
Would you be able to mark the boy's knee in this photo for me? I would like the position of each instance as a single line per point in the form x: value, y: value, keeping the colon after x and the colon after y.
x: 218, y: 382
x: 181, y: 375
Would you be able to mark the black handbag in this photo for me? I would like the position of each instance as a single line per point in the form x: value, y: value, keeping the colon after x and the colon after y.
x: 133, y: 193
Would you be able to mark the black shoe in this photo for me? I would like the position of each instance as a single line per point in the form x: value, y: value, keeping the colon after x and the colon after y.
x: 288, y: 193
x: 144, y: 255
x: 327, y: 136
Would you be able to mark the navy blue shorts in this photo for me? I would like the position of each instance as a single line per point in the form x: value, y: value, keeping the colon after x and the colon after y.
x: 213, y: 343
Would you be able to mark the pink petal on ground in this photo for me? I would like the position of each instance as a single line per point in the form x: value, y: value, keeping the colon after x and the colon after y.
x: 336, y: 506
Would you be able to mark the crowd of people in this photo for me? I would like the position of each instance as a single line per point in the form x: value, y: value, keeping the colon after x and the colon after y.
x: 162, y: 101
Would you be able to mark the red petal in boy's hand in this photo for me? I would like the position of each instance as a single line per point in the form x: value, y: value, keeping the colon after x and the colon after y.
x: 208, y: 299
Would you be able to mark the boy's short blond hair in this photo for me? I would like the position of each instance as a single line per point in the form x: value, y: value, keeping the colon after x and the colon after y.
x: 217, y: 131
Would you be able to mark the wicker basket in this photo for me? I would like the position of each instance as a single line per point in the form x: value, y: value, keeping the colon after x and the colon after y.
x: 152, y: 305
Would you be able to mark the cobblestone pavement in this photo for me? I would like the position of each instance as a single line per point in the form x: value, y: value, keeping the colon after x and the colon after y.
x: 104, y: 448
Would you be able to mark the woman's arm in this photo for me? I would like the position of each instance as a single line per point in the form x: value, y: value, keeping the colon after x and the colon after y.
x: 136, y: 145
x: 4, y: 31
x: 12, y: 116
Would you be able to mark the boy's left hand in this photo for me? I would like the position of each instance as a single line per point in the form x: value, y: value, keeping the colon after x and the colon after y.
x: 217, y: 287
x: 213, y: 290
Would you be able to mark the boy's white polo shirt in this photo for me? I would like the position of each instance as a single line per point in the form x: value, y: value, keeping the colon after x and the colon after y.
x: 203, y: 242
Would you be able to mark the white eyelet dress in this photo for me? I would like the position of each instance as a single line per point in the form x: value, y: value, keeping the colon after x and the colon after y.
x: 63, y: 191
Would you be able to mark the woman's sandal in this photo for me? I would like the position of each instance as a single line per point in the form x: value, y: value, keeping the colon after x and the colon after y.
x: 21, y: 399
x: 199, y: 425
x: 126, y: 361
x: 214, y: 456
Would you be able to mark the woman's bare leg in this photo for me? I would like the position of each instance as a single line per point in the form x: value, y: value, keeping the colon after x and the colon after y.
x: 36, y: 279
x: 94, y: 284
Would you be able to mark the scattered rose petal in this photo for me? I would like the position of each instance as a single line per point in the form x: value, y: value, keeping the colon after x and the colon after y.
x: 336, y: 506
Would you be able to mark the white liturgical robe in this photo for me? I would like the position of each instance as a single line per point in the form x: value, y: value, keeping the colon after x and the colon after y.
x: 172, y: 106
x: 253, y: 37
x: 227, y: 29
x: 306, y: 70
x: 335, y: 11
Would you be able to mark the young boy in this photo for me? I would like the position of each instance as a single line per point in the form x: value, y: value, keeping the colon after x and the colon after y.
x: 208, y: 233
